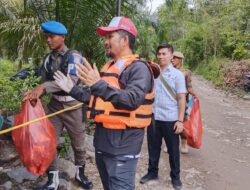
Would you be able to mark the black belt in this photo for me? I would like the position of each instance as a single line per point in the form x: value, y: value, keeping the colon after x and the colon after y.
x: 122, y: 114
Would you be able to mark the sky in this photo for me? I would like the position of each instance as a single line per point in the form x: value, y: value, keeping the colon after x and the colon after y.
x: 155, y: 4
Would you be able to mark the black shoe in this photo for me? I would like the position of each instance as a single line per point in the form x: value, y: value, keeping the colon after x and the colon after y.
x: 177, y: 185
x: 82, y: 179
x: 53, y: 182
x: 148, y: 177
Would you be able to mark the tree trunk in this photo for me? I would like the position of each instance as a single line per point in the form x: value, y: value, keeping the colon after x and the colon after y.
x: 57, y: 10
x: 118, y: 7
x: 24, y: 6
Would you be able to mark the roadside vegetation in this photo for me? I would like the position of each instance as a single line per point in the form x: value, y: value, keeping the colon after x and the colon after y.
x: 213, y: 35
x: 230, y: 75
x: 11, y: 90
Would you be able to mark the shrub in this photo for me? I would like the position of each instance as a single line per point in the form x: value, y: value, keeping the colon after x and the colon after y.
x: 212, y: 70
x: 11, y: 92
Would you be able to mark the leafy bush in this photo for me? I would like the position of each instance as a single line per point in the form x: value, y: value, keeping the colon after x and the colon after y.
x: 7, y: 68
x: 212, y: 70
x: 235, y: 45
x: 11, y: 92
x: 64, y: 150
x: 240, y: 52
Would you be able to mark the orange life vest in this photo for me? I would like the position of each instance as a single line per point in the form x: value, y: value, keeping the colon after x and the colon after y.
x: 104, y: 111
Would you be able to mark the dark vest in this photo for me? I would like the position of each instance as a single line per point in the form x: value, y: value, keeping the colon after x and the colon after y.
x: 63, y: 68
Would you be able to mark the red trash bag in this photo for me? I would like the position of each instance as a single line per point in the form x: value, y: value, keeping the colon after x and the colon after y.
x: 35, y: 143
x: 193, y: 126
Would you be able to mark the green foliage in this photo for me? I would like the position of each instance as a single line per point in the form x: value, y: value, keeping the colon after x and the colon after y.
x: 11, y: 92
x: 240, y: 52
x: 63, y: 151
x: 21, y: 37
x: 171, y: 18
x: 7, y: 68
x: 192, y: 46
x: 203, y: 30
x: 82, y: 30
x: 90, y: 127
x: 147, y: 38
x: 212, y: 70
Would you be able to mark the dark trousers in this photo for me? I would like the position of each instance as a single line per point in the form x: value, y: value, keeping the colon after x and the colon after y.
x: 155, y: 132
x: 72, y: 121
x: 116, y: 172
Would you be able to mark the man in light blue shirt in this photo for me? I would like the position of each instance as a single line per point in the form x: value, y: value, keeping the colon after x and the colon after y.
x: 168, y: 109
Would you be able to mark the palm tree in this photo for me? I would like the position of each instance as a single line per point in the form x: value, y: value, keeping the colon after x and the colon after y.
x: 20, y: 33
x: 22, y: 26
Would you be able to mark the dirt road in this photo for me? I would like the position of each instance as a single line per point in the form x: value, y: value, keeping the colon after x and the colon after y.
x: 223, y: 162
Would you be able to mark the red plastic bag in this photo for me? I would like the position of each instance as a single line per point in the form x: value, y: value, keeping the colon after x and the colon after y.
x: 35, y: 143
x: 193, y: 126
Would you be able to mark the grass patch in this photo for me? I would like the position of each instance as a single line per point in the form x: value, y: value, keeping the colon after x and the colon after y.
x: 212, y: 71
x: 225, y: 73
x: 11, y: 92
x: 7, y: 68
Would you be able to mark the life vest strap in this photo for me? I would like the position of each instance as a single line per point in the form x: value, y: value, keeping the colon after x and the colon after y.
x: 148, y: 101
x: 121, y: 114
x: 103, y: 74
x: 143, y: 116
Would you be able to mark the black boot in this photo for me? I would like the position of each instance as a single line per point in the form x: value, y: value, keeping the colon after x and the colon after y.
x: 148, y: 177
x: 82, y: 179
x: 177, y: 184
x: 52, y: 183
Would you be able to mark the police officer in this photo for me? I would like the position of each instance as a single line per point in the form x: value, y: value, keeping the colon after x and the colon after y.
x: 62, y: 59
x: 120, y: 104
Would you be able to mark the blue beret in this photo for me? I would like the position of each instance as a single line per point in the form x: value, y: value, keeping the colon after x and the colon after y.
x: 54, y: 27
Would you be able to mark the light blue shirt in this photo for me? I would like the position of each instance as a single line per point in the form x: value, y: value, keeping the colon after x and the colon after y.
x: 165, y: 107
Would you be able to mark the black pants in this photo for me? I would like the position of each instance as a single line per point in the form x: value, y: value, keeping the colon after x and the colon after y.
x: 116, y: 172
x: 155, y: 132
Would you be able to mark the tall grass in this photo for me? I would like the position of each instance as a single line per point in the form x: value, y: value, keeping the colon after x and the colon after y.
x: 212, y: 70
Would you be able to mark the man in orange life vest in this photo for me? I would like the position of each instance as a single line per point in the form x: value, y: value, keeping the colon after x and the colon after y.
x: 120, y: 103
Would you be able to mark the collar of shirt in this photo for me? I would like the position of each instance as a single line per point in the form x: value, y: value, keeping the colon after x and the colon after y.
x: 61, y: 53
x: 168, y: 68
x: 121, y: 60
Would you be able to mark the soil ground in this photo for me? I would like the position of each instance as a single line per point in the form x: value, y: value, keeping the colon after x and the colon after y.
x: 223, y: 162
